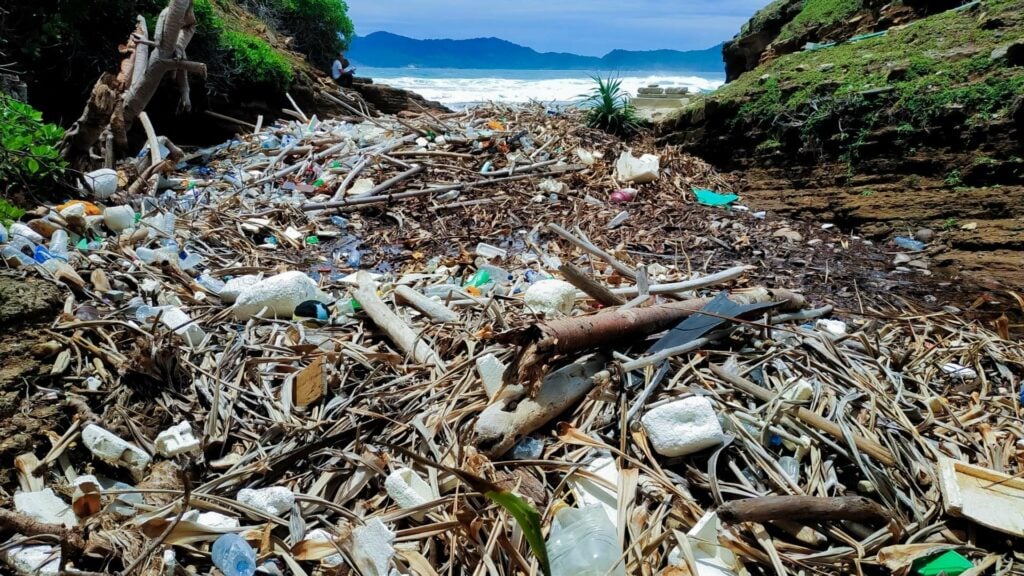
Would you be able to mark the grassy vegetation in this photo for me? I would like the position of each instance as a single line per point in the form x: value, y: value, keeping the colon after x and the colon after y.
x: 238, y: 57
x: 817, y: 13
x: 942, y: 62
x: 321, y: 27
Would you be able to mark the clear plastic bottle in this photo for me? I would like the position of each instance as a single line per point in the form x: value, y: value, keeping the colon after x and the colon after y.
x: 233, y: 555
x: 3, y: 234
x: 583, y: 542
x: 59, y: 244
x: 792, y: 468
x: 159, y: 255
x: 175, y: 319
x: 15, y: 258
x: 212, y: 284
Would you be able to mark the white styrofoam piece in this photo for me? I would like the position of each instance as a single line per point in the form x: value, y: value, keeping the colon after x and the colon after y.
x: 372, y: 548
x: 46, y: 507
x: 959, y: 371
x: 170, y: 562
x: 682, y: 427
x: 119, y: 218
x: 834, y: 327
x: 211, y: 519
x: 103, y: 182
x: 34, y: 560
x: 232, y: 288
x: 712, y: 559
x: 177, y: 439
x: 490, y: 370
x: 801, y: 391
x: 589, y: 492
x: 279, y: 294
x: 114, y: 450
x: 639, y: 170
x: 550, y: 297
x: 321, y: 535
x: 408, y: 490
x: 275, y: 500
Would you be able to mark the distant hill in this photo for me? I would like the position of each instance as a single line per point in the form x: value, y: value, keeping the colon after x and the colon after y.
x: 386, y: 50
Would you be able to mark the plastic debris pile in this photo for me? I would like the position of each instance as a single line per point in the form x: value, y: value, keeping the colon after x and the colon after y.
x: 378, y: 348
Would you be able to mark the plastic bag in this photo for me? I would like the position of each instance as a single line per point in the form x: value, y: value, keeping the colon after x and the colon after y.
x: 638, y: 170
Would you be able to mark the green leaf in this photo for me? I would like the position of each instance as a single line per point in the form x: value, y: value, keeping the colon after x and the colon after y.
x: 529, y: 521
x: 33, y: 165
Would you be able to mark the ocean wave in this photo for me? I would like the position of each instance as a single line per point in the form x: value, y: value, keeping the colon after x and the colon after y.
x: 460, y: 91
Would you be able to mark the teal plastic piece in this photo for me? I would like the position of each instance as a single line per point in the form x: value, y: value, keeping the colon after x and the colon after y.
x: 712, y: 198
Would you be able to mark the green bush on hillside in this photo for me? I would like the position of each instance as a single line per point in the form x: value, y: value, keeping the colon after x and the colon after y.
x: 321, y: 27
x: 234, y: 57
x: 255, y: 59
x: 28, y: 147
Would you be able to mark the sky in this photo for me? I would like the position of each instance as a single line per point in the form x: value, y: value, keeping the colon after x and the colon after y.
x: 589, y: 27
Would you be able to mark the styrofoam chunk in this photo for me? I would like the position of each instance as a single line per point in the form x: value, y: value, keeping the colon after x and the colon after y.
x: 682, y: 427
x: 214, y: 520
x: 801, y: 391
x: 551, y: 297
x: 114, y: 450
x: 490, y: 370
x: 46, y: 507
x: 407, y: 489
x: 279, y: 294
x: 176, y: 440
x: 275, y: 500
x: 232, y: 288
x: 834, y: 327
x: 34, y: 560
x: 372, y: 548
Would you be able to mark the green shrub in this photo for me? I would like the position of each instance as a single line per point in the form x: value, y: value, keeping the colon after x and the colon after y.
x: 316, y: 26
x: 609, y: 108
x: 28, y: 147
x: 255, y: 59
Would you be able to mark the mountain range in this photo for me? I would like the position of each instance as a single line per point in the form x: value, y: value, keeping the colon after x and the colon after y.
x: 387, y: 50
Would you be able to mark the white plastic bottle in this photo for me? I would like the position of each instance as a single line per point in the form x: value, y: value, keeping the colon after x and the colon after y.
x: 583, y: 542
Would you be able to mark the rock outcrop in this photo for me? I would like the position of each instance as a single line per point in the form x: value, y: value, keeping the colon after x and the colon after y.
x: 389, y: 100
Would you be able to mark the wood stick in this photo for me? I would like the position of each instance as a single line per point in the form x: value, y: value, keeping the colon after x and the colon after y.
x: 302, y: 114
x: 259, y: 124
x: 874, y: 449
x: 435, y: 310
x: 589, y: 286
x: 387, y: 184
x: 687, y: 285
x: 619, y: 266
x: 400, y: 333
x: 802, y: 508
x: 226, y: 118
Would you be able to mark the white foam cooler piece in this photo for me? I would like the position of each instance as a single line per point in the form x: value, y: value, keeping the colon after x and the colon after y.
x: 34, y: 560
x: 372, y: 548
x: 176, y: 440
x: 275, y: 500
x: 279, y: 294
x: 490, y: 370
x: 46, y: 507
x: 103, y: 182
x: 682, y: 427
x: 114, y: 450
x: 214, y: 520
x: 232, y: 288
x: 551, y: 297
x: 407, y: 489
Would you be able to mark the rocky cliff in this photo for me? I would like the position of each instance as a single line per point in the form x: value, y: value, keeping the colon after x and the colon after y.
x: 895, y: 117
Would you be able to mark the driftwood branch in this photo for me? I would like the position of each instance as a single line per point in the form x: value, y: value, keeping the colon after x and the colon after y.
x: 591, y: 287
x: 802, y: 509
x: 400, y: 333
x: 436, y: 311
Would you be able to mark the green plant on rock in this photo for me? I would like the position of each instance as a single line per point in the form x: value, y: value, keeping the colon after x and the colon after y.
x: 950, y: 223
x: 609, y: 108
x: 28, y: 147
x: 953, y: 178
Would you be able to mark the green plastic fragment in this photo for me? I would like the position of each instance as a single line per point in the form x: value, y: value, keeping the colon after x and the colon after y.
x: 949, y: 563
x: 712, y: 198
x: 312, y: 240
x: 82, y: 245
x: 319, y: 182
x: 479, y: 278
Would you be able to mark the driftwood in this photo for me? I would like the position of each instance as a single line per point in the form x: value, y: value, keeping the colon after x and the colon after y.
x: 400, y: 333
x: 802, y: 509
x: 541, y: 341
x: 115, y: 103
x: 593, y: 288
x: 436, y: 311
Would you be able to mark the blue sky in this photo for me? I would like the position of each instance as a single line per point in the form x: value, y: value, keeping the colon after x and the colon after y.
x: 591, y: 27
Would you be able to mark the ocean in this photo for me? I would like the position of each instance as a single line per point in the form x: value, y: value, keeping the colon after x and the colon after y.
x: 458, y: 87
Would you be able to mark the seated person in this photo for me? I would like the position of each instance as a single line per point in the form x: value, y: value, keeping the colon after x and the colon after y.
x: 341, y: 73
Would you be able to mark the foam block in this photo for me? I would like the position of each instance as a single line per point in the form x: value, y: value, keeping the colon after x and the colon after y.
x: 372, y: 548
x: 214, y: 520
x: 46, y: 507
x: 275, y: 500
x: 112, y: 449
x: 176, y: 440
x: 279, y: 294
x: 321, y: 535
x: 682, y: 427
x: 34, y: 560
x: 407, y: 489
x: 551, y: 297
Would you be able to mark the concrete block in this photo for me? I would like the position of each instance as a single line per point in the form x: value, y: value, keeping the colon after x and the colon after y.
x: 114, y: 450
x: 682, y: 427
x: 176, y: 440
x: 275, y: 500
x: 46, y: 507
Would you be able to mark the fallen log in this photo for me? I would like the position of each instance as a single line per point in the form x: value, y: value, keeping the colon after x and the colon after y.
x: 542, y: 341
x: 802, y: 509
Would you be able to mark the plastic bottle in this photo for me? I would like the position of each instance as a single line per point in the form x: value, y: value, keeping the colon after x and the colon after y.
x: 19, y: 229
x: 3, y: 234
x: 15, y: 257
x: 583, y: 542
x: 212, y: 284
x: 355, y: 257
x: 59, y: 244
x: 792, y: 468
x: 175, y: 319
x: 188, y: 261
x: 909, y: 243
x: 233, y: 555
x: 158, y: 255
